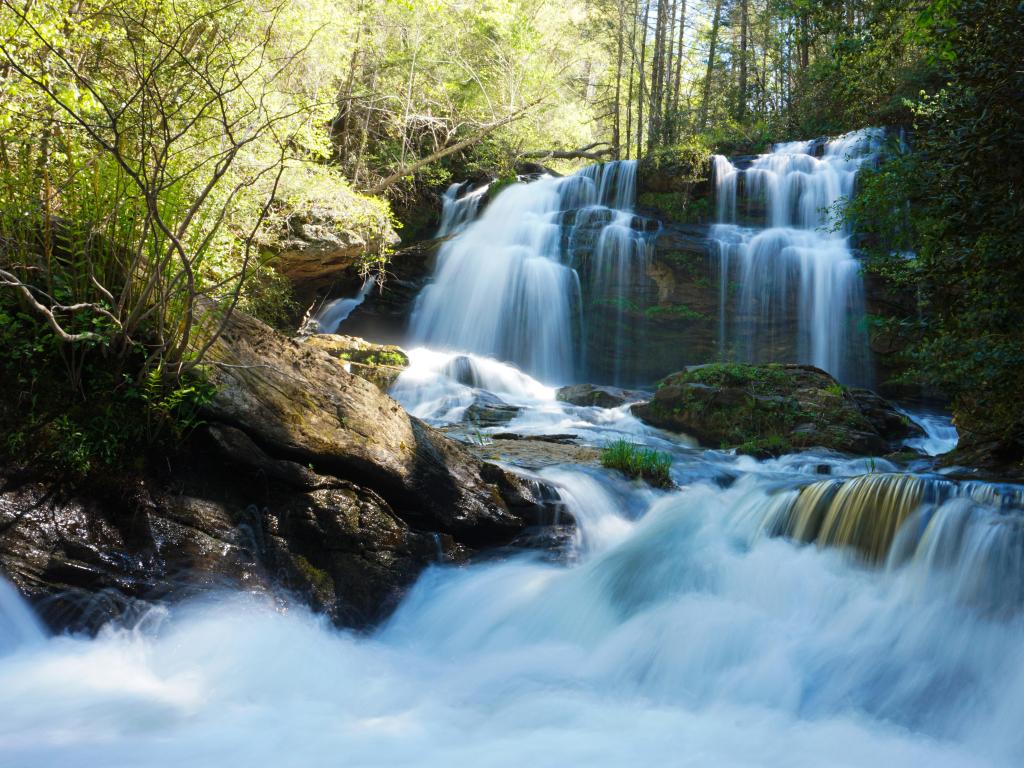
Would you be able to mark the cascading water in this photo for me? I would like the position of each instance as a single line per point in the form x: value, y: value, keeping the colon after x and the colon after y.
x: 691, y: 623
x: 799, y: 294
x: 511, y: 284
x: 335, y: 312
x: 802, y: 611
x: 458, y: 209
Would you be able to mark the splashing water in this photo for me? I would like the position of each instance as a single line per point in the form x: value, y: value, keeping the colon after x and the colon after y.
x: 686, y: 628
x: 941, y: 435
x: 457, y: 211
x: 508, y: 285
x: 800, y: 294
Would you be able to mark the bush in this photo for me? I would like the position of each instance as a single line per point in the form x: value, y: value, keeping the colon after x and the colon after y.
x: 639, y: 462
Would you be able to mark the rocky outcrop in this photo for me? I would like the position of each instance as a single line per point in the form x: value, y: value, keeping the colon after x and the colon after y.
x: 322, y: 238
x: 599, y: 396
x: 296, y: 402
x: 305, y: 477
x: 996, y: 457
x: 380, y: 364
x: 772, y: 409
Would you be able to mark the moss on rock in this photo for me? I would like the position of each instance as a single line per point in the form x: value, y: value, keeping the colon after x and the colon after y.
x: 767, y: 410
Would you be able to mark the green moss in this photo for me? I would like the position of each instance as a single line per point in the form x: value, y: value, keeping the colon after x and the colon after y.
x: 318, y: 578
x: 674, y: 310
x: 639, y: 462
x: 771, y: 445
x: 761, y: 379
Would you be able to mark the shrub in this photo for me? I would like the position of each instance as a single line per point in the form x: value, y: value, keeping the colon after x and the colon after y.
x: 639, y: 462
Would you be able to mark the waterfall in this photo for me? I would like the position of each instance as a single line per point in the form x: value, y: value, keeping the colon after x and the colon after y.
x: 458, y: 210
x: 511, y: 284
x: 799, y: 293
x: 18, y: 625
x: 335, y: 312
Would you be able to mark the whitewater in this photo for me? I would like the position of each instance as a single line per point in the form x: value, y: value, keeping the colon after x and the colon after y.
x: 737, y: 619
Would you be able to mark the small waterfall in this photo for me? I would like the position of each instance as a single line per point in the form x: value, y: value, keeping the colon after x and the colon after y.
x: 941, y: 435
x: 18, y: 624
x: 458, y: 211
x: 863, y: 513
x: 513, y: 282
x: 970, y: 533
x: 335, y: 312
x: 799, y: 291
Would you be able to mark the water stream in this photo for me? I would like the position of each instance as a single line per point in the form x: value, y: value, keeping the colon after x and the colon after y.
x: 810, y: 610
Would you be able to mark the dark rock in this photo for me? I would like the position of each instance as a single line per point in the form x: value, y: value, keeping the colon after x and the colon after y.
x: 563, y: 439
x: 766, y: 410
x: 594, y: 395
x: 488, y: 410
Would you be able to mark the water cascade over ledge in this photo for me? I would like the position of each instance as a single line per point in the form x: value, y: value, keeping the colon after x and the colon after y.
x: 511, y: 283
x: 795, y: 285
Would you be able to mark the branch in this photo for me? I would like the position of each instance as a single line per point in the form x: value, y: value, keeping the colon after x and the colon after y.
x: 411, y: 168
x: 12, y: 281
x: 589, y: 152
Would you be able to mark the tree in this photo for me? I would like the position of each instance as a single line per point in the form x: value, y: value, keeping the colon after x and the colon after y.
x: 155, y: 127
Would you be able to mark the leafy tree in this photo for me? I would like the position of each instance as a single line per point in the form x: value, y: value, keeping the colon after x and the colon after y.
x: 946, y: 218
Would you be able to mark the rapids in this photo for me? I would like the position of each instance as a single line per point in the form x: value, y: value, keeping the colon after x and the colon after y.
x: 809, y: 610
x: 682, y: 626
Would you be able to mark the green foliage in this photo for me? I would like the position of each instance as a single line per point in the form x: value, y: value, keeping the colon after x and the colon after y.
x: 765, y: 447
x: 759, y: 378
x: 946, y: 219
x: 679, y: 311
x: 638, y: 462
x: 677, y: 207
x: 98, y: 422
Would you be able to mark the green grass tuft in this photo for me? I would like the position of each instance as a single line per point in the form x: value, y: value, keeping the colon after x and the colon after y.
x: 639, y: 462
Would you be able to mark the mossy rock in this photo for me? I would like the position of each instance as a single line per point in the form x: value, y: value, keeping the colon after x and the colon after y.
x: 379, y: 364
x: 768, y: 410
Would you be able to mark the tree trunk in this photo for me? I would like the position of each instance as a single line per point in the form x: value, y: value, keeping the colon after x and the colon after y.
x: 679, y: 72
x: 657, y: 73
x: 706, y: 99
x: 620, y: 45
x: 644, y: 29
x: 742, y: 106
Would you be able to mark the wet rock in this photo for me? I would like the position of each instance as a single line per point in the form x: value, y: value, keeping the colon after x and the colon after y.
x: 490, y: 411
x: 83, y: 555
x: 534, y: 454
x: 599, y: 396
x: 767, y: 410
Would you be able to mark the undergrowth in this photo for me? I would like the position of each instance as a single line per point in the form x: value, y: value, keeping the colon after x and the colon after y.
x: 638, y: 462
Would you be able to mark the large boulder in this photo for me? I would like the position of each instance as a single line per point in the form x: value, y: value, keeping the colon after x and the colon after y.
x: 772, y: 409
x: 297, y: 402
x: 84, y: 556
x: 305, y: 477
